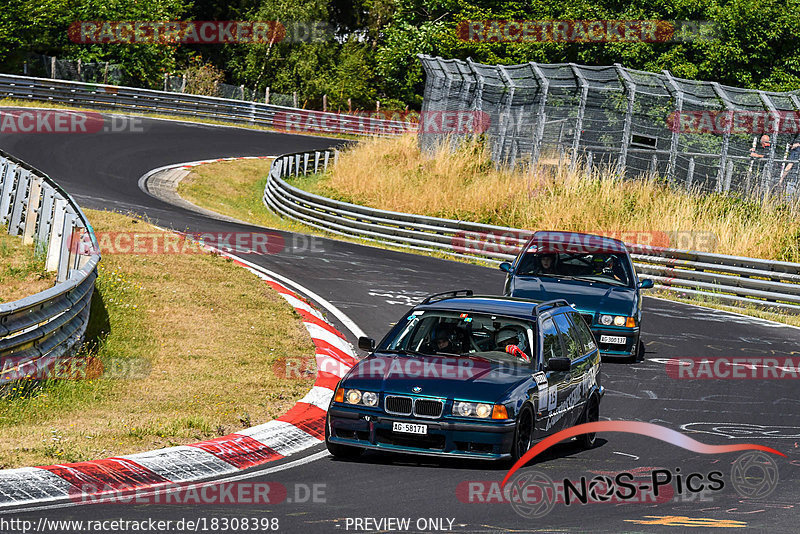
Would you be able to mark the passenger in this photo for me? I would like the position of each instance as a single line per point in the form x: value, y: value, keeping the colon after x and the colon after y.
x: 511, y: 339
x: 548, y: 263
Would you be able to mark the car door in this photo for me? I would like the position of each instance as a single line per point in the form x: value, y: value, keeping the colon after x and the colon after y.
x: 573, y: 348
x: 552, y: 392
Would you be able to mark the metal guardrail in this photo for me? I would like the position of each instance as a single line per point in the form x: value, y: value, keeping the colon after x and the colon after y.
x: 729, y: 279
x: 37, y: 330
x: 132, y: 99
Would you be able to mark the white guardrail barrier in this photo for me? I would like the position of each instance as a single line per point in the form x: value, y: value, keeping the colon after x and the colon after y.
x: 134, y: 100
x: 729, y: 279
x: 38, y: 330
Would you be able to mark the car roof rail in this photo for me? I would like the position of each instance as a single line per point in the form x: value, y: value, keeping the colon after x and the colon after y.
x: 447, y: 295
x: 550, y: 304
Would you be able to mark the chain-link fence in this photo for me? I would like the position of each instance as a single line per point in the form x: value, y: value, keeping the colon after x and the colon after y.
x: 698, y: 135
x: 78, y: 71
x: 177, y: 84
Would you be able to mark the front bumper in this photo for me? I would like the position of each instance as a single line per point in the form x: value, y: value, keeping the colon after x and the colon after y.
x: 631, y: 336
x: 487, y: 440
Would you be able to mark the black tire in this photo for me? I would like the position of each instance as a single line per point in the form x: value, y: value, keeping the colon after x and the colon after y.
x: 523, y: 435
x: 591, y: 414
x: 340, y: 451
x: 639, y: 352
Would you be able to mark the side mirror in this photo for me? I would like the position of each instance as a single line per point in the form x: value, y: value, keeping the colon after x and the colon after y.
x: 505, y: 267
x: 558, y: 364
x: 646, y: 284
x: 366, y: 343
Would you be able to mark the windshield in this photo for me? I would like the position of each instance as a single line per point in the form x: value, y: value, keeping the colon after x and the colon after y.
x: 453, y: 333
x: 606, y: 267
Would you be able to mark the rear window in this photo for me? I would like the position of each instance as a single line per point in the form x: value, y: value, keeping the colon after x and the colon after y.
x: 584, y: 333
x: 551, y: 344
x: 569, y: 335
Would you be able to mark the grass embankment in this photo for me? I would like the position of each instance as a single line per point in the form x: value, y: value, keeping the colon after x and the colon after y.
x: 21, y: 269
x: 187, y: 343
x: 392, y: 174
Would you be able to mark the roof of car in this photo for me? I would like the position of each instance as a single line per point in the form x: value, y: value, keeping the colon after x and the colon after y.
x: 553, y: 241
x: 508, y: 306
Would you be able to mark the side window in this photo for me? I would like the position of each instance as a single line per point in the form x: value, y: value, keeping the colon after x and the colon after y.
x: 569, y: 335
x: 584, y: 333
x: 551, y: 345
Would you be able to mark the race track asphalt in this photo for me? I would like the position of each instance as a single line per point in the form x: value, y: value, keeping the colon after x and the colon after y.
x: 374, y: 287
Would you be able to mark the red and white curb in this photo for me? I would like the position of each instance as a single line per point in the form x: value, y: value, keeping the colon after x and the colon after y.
x: 303, y: 426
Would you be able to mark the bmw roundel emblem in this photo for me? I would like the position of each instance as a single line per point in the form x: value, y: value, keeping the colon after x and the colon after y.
x: 416, y: 389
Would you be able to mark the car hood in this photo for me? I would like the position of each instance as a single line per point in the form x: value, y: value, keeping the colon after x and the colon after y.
x: 459, y: 377
x: 585, y: 296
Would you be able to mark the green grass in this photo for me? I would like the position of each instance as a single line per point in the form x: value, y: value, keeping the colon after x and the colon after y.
x: 22, y: 268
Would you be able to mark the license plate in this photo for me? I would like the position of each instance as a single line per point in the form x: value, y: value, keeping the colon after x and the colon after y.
x: 614, y: 340
x: 409, y: 428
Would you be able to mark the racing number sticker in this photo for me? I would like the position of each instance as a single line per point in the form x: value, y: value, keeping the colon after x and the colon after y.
x: 543, y: 391
x: 552, y: 397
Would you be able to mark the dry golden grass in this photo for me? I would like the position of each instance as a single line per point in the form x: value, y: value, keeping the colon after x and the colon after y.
x: 21, y: 270
x: 392, y: 174
x: 209, y: 332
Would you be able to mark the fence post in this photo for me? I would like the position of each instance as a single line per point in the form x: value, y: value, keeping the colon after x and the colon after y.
x: 53, y: 67
x: 294, y: 99
x: 166, y: 77
x: 324, y: 102
x: 768, y: 168
x: 690, y: 174
x: 589, y: 163
x: 541, y: 117
x: 266, y: 96
x: 576, y: 139
x: 677, y: 94
x: 630, y: 89
x: 505, y: 116
x: 726, y: 136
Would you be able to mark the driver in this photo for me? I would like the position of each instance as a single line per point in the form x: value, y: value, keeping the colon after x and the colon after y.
x: 548, y: 263
x: 442, y: 338
x: 511, y: 339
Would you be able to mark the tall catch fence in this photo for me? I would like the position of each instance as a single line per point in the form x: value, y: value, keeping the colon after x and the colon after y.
x: 698, y: 135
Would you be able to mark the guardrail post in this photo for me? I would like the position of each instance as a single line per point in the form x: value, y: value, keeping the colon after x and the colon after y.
x: 305, y: 163
x: 297, y: 165
x: 20, y: 203
x: 64, y: 247
x: 677, y: 94
x: 56, y: 235
x: 45, y: 216
x: 580, y: 81
x: 726, y: 135
x: 33, y: 210
x: 9, y: 181
x: 690, y: 174
x: 316, y: 161
x: 630, y: 89
x: 327, y: 156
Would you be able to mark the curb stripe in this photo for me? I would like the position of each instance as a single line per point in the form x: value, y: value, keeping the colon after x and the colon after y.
x: 301, y: 427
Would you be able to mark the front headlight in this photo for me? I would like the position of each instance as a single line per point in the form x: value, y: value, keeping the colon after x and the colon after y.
x: 619, y: 320
x: 606, y: 320
x: 356, y: 396
x: 472, y: 409
x: 353, y: 396
x: 369, y: 398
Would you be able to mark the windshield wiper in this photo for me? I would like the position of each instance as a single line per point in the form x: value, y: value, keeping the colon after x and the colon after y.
x: 403, y: 351
x: 604, y: 280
